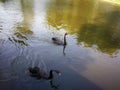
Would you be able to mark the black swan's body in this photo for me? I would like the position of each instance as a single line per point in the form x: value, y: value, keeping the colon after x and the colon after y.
x: 36, y: 72
x: 58, y: 41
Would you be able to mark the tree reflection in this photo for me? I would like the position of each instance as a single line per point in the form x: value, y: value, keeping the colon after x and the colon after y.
x: 70, y: 14
x: 95, y: 22
x: 53, y: 85
x: 3, y: 1
x: 18, y: 38
x: 23, y: 28
x: 105, y: 35
x: 27, y: 11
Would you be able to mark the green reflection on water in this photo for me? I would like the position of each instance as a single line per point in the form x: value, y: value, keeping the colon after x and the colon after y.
x: 3, y: 1
x: 27, y: 13
x: 24, y: 27
x: 95, y: 22
x: 18, y: 38
x: 105, y: 35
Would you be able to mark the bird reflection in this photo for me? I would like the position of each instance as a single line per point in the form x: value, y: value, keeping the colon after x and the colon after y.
x: 64, y: 47
x: 37, y: 73
x: 53, y: 85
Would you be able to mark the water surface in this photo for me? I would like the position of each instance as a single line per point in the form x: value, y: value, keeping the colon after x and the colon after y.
x: 90, y: 60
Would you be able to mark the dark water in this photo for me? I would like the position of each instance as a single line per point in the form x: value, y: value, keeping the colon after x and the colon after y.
x: 90, y: 60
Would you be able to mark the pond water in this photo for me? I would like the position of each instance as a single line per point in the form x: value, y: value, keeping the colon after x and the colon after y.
x: 89, y: 61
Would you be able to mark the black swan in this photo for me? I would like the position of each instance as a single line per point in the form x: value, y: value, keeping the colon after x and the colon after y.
x: 37, y: 73
x: 60, y: 42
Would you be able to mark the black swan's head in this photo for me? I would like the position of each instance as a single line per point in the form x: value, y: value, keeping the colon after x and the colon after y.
x: 66, y: 33
x: 58, y: 72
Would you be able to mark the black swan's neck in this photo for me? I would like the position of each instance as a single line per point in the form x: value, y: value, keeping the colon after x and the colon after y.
x: 50, y: 74
x: 65, y: 43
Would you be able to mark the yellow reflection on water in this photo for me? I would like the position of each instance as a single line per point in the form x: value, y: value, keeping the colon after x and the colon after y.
x: 113, y: 1
x: 70, y: 15
x: 27, y: 13
x: 94, y: 22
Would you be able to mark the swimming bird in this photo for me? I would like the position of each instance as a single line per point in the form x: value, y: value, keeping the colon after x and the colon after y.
x: 57, y: 41
x: 39, y: 74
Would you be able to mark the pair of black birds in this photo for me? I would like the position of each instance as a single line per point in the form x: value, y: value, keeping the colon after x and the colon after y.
x: 39, y: 74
